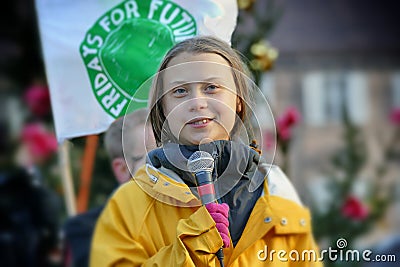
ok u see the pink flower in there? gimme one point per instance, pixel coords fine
(285, 123)
(354, 209)
(395, 116)
(37, 98)
(40, 142)
(268, 140)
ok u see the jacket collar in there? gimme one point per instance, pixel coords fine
(231, 159)
(165, 186)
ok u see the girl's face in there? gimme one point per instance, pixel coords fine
(200, 100)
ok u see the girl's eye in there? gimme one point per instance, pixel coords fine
(179, 92)
(211, 88)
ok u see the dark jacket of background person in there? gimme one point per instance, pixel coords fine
(29, 220)
(79, 230)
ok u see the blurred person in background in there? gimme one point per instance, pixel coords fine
(29, 210)
(126, 141)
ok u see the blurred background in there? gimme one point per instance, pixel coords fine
(331, 73)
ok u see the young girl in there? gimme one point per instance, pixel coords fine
(200, 101)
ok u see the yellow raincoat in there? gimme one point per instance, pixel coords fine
(154, 220)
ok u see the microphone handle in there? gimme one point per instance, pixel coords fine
(206, 190)
(205, 187)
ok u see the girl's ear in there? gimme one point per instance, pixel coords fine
(238, 105)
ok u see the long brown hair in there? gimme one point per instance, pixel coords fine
(198, 45)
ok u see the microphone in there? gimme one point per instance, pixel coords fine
(201, 164)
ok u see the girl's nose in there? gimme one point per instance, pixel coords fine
(198, 101)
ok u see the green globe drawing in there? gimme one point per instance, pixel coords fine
(132, 53)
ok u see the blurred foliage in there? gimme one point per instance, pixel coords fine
(256, 21)
(347, 215)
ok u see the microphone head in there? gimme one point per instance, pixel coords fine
(200, 161)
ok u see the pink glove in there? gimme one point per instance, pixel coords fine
(219, 212)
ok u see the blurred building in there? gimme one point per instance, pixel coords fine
(334, 54)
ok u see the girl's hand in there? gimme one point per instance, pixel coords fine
(219, 212)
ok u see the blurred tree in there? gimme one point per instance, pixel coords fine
(256, 21)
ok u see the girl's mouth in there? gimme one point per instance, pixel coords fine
(200, 122)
